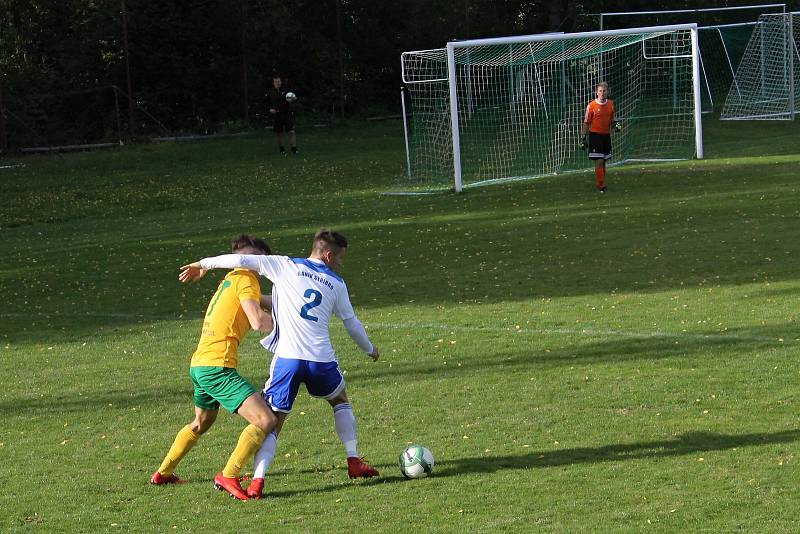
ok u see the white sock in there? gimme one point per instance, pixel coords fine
(264, 455)
(346, 427)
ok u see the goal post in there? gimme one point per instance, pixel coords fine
(511, 107)
(427, 139)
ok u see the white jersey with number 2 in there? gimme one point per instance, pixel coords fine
(305, 294)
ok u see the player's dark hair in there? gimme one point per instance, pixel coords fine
(328, 240)
(244, 240)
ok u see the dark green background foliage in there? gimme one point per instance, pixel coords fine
(205, 66)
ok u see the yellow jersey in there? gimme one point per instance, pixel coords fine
(225, 323)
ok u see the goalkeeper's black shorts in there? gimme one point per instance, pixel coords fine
(599, 146)
(283, 122)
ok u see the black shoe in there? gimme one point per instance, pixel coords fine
(282, 151)
(294, 150)
(602, 189)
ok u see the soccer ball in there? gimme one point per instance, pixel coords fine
(291, 97)
(416, 462)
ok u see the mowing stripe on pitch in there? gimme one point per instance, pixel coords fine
(583, 332)
(589, 332)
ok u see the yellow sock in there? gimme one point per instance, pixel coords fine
(249, 442)
(183, 443)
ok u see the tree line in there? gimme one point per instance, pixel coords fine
(89, 70)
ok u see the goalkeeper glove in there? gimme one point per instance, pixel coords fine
(583, 144)
(617, 126)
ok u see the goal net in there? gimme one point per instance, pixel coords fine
(723, 34)
(511, 108)
(767, 84)
(721, 50)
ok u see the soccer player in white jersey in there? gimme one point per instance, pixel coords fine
(305, 293)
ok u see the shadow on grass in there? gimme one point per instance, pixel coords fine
(111, 400)
(689, 443)
(610, 348)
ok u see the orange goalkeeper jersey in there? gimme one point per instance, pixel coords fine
(599, 116)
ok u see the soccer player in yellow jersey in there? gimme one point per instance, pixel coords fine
(598, 121)
(233, 309)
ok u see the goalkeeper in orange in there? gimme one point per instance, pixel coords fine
(597, 122)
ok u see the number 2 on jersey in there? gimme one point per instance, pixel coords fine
(316, 300)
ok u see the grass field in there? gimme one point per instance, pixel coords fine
(575, 361)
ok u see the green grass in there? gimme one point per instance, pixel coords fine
(575, 361)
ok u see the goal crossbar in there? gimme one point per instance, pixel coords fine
(566, 36)
(679, 11)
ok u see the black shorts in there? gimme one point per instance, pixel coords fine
(599, 146)
(283, 122)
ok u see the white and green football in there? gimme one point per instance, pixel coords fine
(416, 462)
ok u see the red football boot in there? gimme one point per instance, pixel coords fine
(158, 479)
(231, 485)
(256, 488)
(358, 468)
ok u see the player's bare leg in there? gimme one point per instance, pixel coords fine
(279, 143)
(262, 422)
(187, 437)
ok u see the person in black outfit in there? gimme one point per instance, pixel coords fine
(282, 112)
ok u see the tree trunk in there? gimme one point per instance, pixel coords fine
(556, 15)
(131, 119)
(341, 55)
(245, 89)
(3, 138)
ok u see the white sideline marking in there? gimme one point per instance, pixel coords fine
(582, 332)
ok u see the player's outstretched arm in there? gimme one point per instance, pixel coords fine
(254, 262)
(191, 272)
